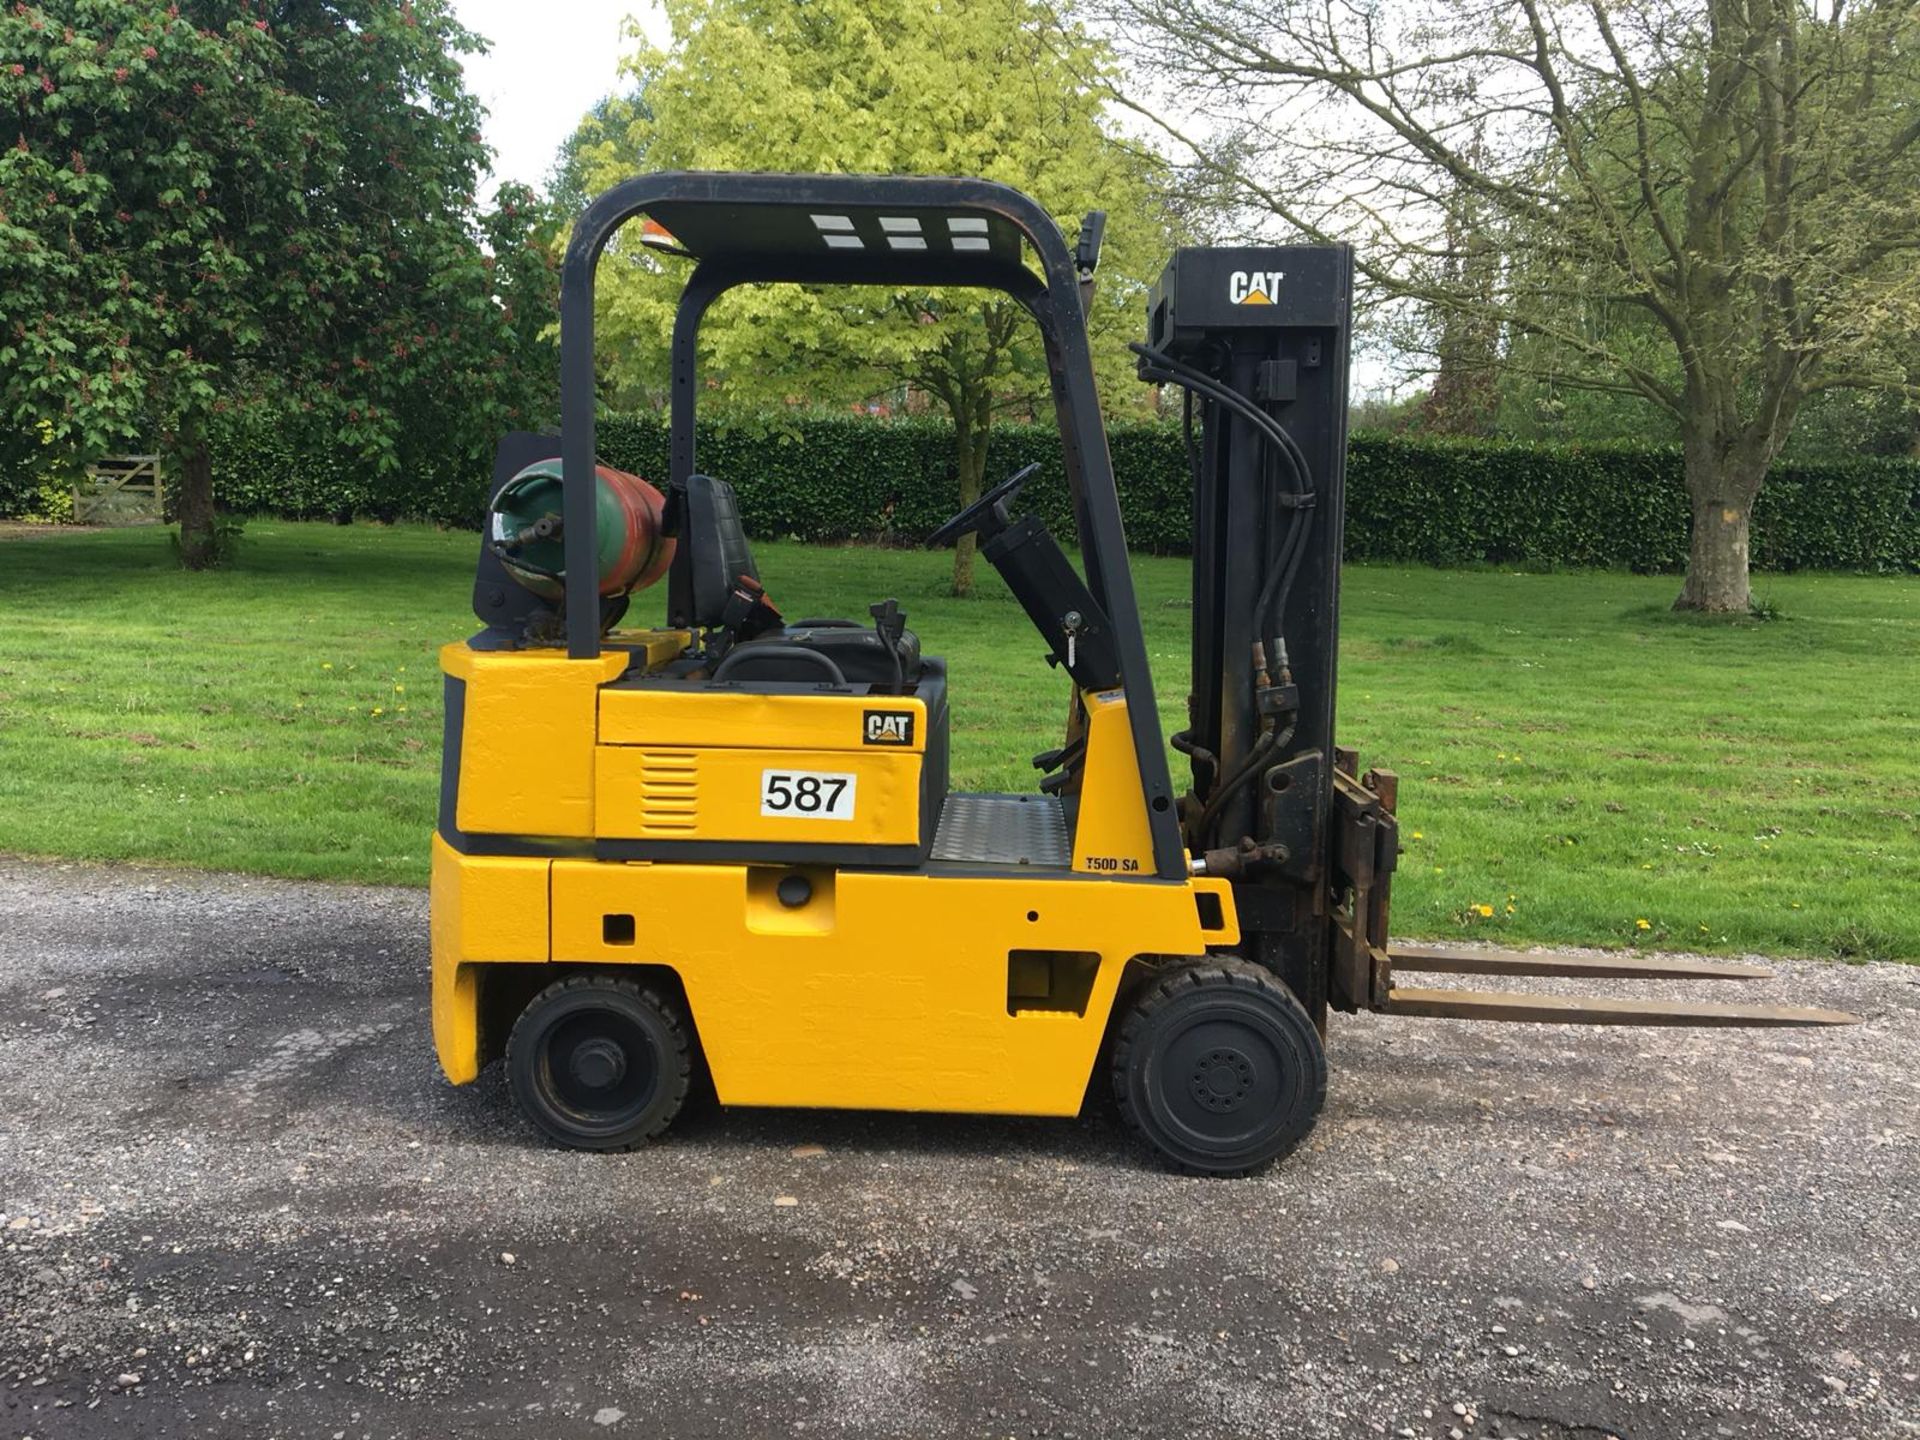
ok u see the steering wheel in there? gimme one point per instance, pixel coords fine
(977, 514)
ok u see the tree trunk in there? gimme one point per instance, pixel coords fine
(1717, 558)
(199, 549)
(970, 461)
(1722, 482)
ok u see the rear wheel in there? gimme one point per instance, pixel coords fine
(1218, 1069)
(600, 1063)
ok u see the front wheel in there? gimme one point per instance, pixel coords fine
(599, 1063)
(1218, 1069)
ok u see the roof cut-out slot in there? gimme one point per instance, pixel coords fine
(971, 242)
(832, 222)
(900, 224)
(967, 224)
(907, 242)
(843, 242)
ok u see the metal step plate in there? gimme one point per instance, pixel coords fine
(1003, 830)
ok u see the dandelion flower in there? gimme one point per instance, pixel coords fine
(1485, 912)
(1643, 924)
(377, 710)
(1418, 835)
(326, 664)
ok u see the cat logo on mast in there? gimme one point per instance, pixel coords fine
(1255, 287)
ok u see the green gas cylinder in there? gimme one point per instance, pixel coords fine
(527, 529)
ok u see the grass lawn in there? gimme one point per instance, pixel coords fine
(1572, 755)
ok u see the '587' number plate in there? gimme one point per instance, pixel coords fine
(807, 794)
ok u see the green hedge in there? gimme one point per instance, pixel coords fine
(262, 469)
(1453, 502)
(1437, 502)
(837, 478)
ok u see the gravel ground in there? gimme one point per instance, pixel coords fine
(239, 1201)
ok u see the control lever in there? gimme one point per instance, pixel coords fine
(1061, 765)
(890, 624)
(1066, 756)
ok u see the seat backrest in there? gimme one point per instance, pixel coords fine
(712, 553)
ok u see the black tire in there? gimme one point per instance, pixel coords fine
(600, 1063)
(1218, 1069)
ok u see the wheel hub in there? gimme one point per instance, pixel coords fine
(1222, 1079)
(598, 1063)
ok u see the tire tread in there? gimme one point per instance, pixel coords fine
(651, 997)
(1161, 992)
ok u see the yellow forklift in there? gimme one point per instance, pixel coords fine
(722, 849)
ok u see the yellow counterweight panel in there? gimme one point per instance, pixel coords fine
(526, 748)
(648, 792)
(686, 719)
(481, 908)
(886, 990)
(1111, 836)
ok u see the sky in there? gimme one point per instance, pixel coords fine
(550, 61)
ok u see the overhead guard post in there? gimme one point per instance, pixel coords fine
(1054, 302)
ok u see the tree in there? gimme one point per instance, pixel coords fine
(1464, 397)
(996, 88)
(570, 181)
(221, 203)
(1739, 173)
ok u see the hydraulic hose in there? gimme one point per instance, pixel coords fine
(1191, 378)
(1184, 742)
(1263, 750)
(1271, 602)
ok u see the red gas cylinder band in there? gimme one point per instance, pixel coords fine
(644, 558)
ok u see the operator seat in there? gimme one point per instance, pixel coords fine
(712, 554)
(712, 560)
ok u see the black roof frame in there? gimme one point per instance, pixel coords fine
(1052, 298)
